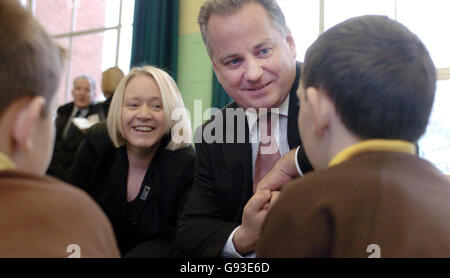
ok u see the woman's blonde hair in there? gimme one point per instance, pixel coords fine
(178, 125)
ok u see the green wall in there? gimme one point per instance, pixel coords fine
(194, 66)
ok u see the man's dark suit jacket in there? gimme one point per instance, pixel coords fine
(395, 200)
(223, 185)
(66, 148)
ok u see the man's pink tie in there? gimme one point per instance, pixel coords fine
(268, 152)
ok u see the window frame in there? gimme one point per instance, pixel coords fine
(443, 73)
(30, 5)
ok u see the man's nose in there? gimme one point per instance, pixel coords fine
(253, 71)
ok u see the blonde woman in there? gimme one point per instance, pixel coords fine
(139, 164)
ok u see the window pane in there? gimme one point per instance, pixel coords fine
(55, 16)
(64, 83)
(127, 12)
(92, 53)
(87, 59)
(302, 17)
(109, 49)
(126, 41)
(126, 35)
(97, 14)
(430, 21)
(435, 144)
(338, 11)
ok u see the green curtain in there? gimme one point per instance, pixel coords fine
(220, 98)
(155, 34)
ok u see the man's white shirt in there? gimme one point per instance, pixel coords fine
(279, 130)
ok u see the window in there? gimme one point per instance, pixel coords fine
(303, 18)
(96, 34)
(427, 19)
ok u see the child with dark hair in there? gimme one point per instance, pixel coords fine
(366, 93)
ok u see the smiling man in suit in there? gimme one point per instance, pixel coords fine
(253, 55)
(68, 135)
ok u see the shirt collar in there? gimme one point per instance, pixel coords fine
(6, 163)
(83, 111)
(252, 114)
(374, 145)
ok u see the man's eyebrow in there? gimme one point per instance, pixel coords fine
(259, 45)
(235, 55)
(227, 57)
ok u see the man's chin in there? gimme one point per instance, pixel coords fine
(263, 103)
(81, 105)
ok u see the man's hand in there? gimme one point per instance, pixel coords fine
(275, 194)
(257, 208)
(283, 171)
(253, 218)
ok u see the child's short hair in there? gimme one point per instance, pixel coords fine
(30, 62)
(379, 75)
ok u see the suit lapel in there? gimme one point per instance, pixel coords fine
(238, 158)
(292, 133)
(116, 195)
(63, 116)
(294, 139)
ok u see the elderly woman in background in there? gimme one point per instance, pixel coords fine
(139, 164)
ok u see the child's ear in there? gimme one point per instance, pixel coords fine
(26, 118)
(322, 108)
